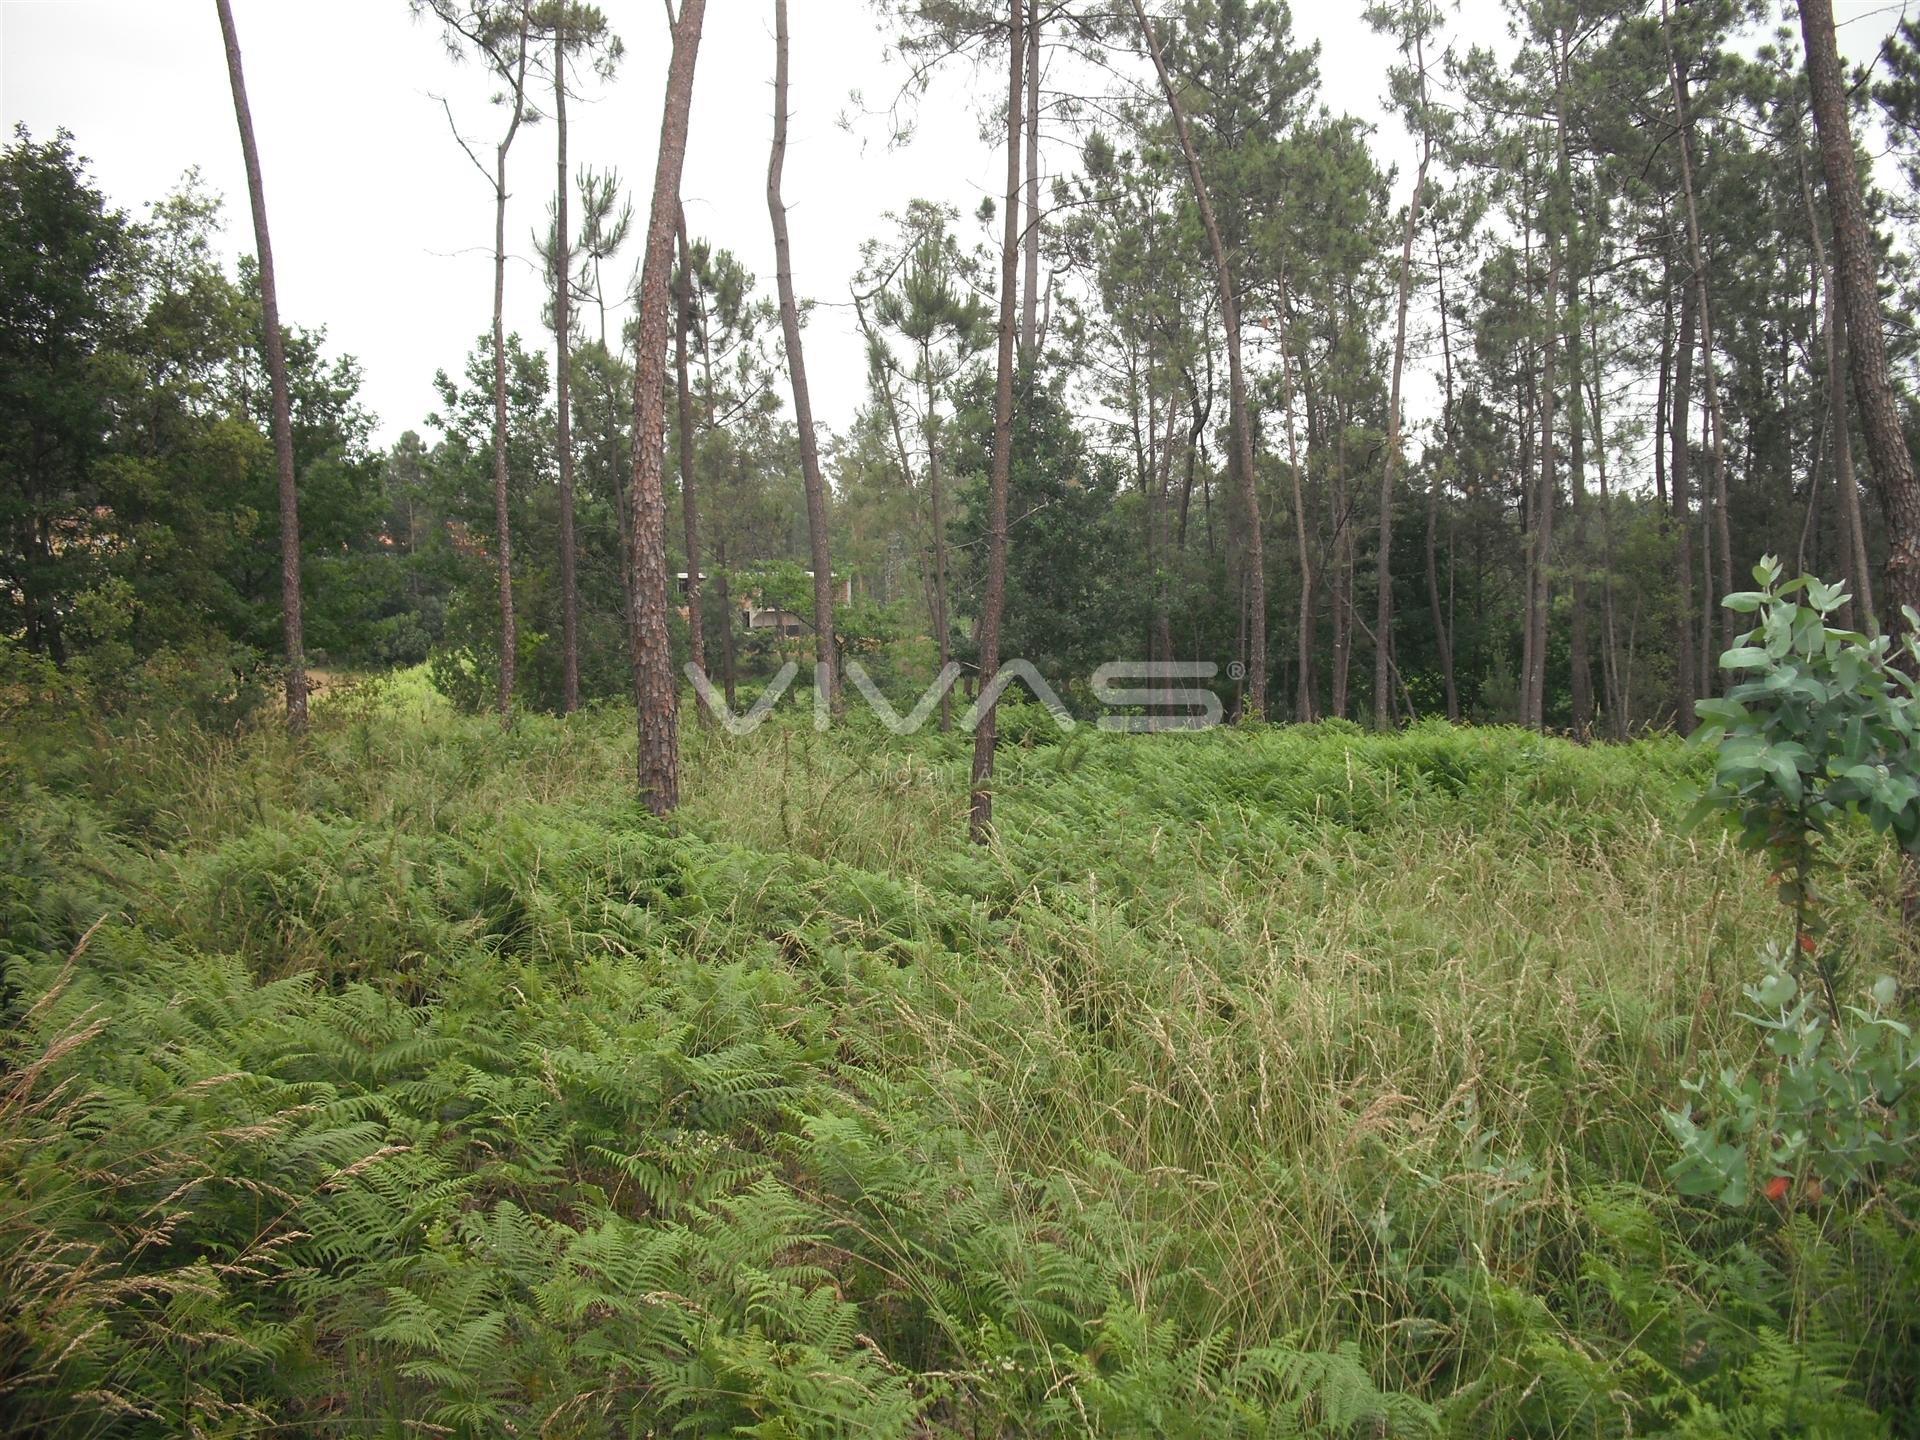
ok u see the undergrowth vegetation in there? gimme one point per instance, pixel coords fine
(1258, 1083)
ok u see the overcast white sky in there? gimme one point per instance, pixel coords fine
(382, 229)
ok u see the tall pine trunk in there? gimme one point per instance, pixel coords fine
(1442, 629)
(274, 343)
(502, 523)
(683, 417)
(1709, 371)
(1853, 536)
(1892, 462)
(1304, 705)
(827, 659)
(1838, 364)
(1613, 683)
(1547, 498)
(654, 684)
(1580, 658)
(1685, 681)
(1030, 247)
(980, 800)
(563, 333)
(936, 483)
(1255, 577)
(1390, 470)
(1340, 589)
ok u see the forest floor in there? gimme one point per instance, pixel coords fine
(1293, 1081)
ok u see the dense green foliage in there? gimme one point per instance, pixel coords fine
(1283, 1082)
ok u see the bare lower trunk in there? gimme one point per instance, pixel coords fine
(1303, 703)
(1442, 630)
(1580, 659)
(1536, 687)
(1855, 528)
(1612, 681)
(657, 690)
(1703, 685)
(722, 592)
(1255, 708)
(826, 656)
(1709, 372)
(1529, 505)
(502, 526)
(1390, 472)
(275, 346)
(1677, 473)
(562, 329)
(1340, 590)
(1854, 265)
(980, 806)
(1030, 290)
(689, 508)
(1155, 472)
(936, 485)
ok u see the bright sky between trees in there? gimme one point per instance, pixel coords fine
(383, 230)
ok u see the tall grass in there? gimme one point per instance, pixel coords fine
(1285, 1082)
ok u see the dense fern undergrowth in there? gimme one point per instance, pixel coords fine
(1284, 1082)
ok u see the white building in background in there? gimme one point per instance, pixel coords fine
(756, 616)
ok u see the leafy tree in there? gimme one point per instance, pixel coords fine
(66, 308)
(1071, 589)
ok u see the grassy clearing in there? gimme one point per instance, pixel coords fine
(1292, 1082)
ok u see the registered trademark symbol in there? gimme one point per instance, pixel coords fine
(1236, 671)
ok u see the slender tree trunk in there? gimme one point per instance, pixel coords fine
(936, 484)
(1390, 470)
(1340, 589)
(1030, 291)
(826, 656)
(654, 680)
(1839, 423)
(1442, 630)
(1855, 272)
(1529, 510)
(1686, 681)
(1704, 686)
(1145, 439)
(563, 333)
(1303, 705)
(275, 345)
(1236, 384)
(980, 808)
(502, 524)
(1664, 388)
(1838, 363)
(1549, 485)
(1611, 679)
(611, 440)
(683, 416)
(1201, 413)
(1580, 657)
(1709, 372)
(722, 592)
(1162, 492)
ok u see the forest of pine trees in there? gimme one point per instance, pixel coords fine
(482, 953)
(1485, 441)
